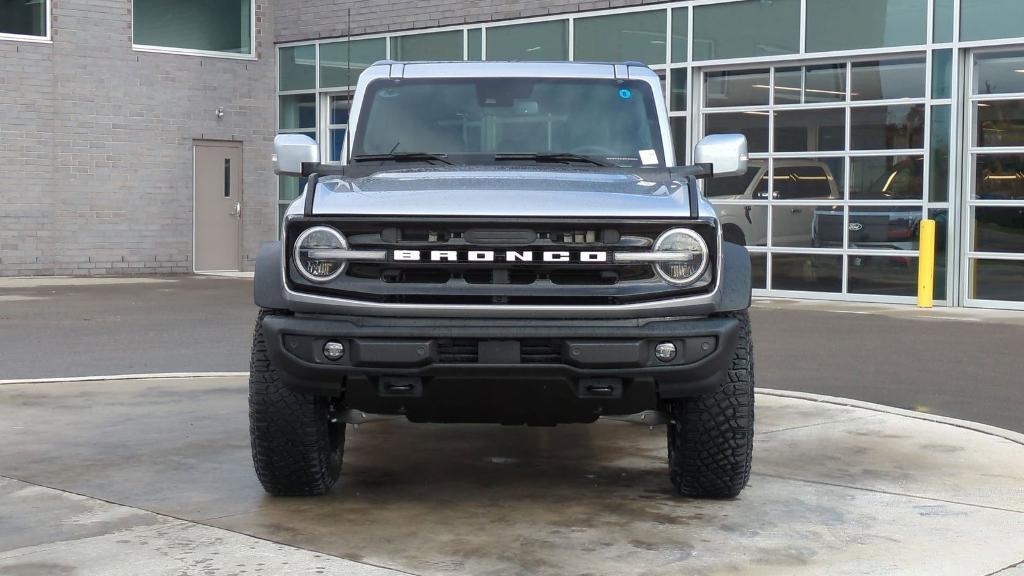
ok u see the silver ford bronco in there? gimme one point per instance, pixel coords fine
(508, 243)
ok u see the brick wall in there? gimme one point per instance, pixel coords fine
(306, 19)
(96, 145)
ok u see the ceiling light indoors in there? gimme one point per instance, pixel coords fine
(811, 90)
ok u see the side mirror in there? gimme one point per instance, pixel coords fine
(291, 150)
(727, 154)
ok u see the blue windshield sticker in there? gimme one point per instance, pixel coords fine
(625, 93)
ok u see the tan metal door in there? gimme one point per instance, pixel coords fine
(218, 205)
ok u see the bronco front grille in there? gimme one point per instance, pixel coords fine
(498, 282)
(531, 351)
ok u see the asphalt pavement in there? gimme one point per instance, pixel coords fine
(957, 363)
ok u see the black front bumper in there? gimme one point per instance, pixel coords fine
(501, 370)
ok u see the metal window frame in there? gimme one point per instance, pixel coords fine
(327, 126)
(971, 151)
(847, 154)
(251, 55)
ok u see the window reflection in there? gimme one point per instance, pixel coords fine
(29, 18)
(753, 125)
(296, 67)
(895, 127)
(430, 46)
(887, 178)
(678, 124)
(535, 41)
(744, 223)
(810, 84)
(337, 141)
(853, 24)
(884, 227)
(297, 111)
(807, 226)
(942, 73)
(746, 28)
(341, 63)
(999, 229)
(636, 36)
(474, 45)
(999, 73)
(807, 272)
(990, 19)
(289, 187)
(339, 109)
(888, 79)
(939, 154)
(810, 130)
(998, 280)
(789, 84)
(826, 83)
(1001, 123)
(808, 179)
(882, 275)
(223, 26)
(742, 186)
(680, 31)
(677, 100)
(737, 88)
(759, 270)
(941, 218)
(1000, 177)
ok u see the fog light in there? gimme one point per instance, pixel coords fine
(334, 350)
(666, 351)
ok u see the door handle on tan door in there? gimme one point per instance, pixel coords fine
(237, 210)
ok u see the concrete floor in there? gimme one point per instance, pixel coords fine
(836, 490)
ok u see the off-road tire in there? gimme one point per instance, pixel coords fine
(711, 437)
(296, 448)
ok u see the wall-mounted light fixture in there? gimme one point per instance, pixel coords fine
(220, 112)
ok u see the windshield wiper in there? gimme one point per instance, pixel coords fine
(554, 157)
(403, 157)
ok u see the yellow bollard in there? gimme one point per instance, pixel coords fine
(926, 265)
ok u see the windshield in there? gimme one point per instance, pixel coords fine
(477, 120)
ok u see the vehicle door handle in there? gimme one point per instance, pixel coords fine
(795, 210)
(237, 210)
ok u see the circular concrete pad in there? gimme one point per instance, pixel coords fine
(836, 489)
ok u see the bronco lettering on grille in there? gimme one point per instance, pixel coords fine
(509, 256)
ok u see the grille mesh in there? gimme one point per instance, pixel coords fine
(466, 351)
(576, 282)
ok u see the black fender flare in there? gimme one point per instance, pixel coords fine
(268, 282)
(736, 279)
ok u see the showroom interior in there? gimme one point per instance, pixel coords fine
(862, 117)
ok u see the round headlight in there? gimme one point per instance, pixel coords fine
(316, 239)
(693, 256)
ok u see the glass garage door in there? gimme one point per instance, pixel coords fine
(838, 179)
(993, 270)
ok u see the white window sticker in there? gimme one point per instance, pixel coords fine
(648, 157)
